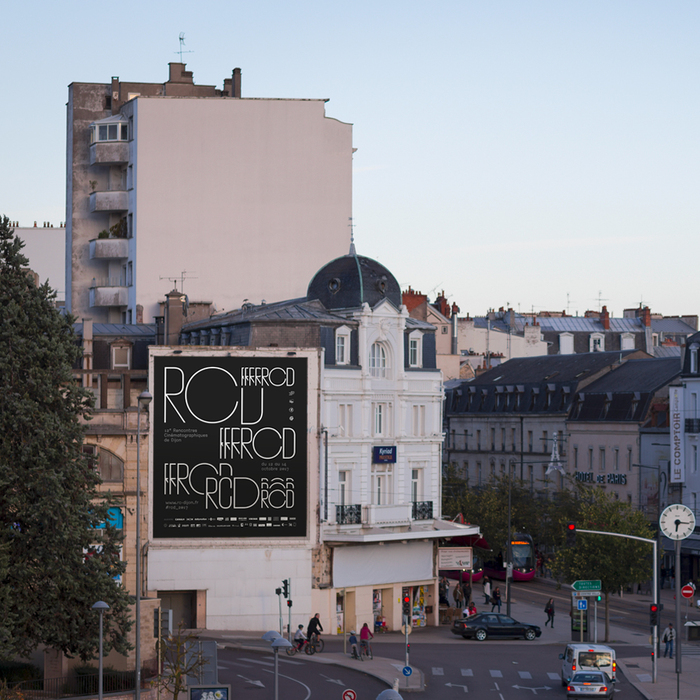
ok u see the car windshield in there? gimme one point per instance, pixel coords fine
(594, 659)
(588, 678)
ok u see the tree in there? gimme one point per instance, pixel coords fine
(181, 657)
(58, 553)
(615, 561)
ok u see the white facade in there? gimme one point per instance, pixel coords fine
(228, 199)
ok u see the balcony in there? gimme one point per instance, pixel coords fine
(422, 510)
(692, 425)
(109, 293)
(348, 515)
(112, 201)
(109, 249)
(109, 153)
(387, 515)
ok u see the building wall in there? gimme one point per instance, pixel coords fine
(481, 340)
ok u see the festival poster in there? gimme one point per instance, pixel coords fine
(229, 446)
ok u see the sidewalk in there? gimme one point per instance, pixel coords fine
(636, 670)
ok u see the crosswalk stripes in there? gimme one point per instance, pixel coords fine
(525, 675)
(467, 672)
(496, 674)
(554, 676)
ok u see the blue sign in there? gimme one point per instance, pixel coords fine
(407, 671)
(386, 455)
(582, 604)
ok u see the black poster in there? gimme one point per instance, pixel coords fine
(229, 447)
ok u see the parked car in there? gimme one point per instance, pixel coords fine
(494, 625)
(586, 684)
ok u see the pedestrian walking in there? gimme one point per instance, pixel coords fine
(487, 590)
(549, 609)
(496, 599)
(668, 637)
(467, 591)
(444, 590)
(459, 599)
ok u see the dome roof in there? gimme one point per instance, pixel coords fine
(352, 280)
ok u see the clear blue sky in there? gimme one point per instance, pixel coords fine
(509, 151)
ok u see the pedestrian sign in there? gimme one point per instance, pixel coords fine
(582, 604)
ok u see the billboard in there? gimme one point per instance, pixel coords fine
(229, 446)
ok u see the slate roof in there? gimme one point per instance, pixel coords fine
(667, 351)
(637, 375)
(142, 330)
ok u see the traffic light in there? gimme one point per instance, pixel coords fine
(571, 534)
(406, 604)
(285, 588)
(289, 603)
(653, 614)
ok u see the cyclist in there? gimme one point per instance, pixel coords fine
(314, 627)
(353, 645)
(300, 637)
(365, 636)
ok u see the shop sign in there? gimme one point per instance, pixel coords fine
(454, 558)
(229, 446)
(675, 399)
(591, 478)
(386, 455)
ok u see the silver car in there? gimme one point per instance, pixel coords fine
(585, 684)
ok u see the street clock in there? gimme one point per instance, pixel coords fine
(677, 521)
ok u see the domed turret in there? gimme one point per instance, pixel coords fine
(352, 280)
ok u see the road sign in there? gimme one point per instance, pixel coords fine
(687, 591)
(582, 604)
(349, 695)
(586, 585)
(586, 594)
(407, 671)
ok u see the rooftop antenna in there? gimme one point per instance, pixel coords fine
(600, 299)
(182, 43)
(183, 276)
(352, 236)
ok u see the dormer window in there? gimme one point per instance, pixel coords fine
(110, 129)
(596, 342)
(415, 354)
(377, 360)
(694, 358)
(342, 346)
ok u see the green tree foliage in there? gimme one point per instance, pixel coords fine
(55, 559)
(615, 561)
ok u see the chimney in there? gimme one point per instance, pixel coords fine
(646, 316)
(236, 83)
(174, 317)
(605, 318)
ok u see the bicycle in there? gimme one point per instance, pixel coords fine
(306, 646)
(317, 643)
(365, 649)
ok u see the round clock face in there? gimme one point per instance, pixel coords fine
(677, 522)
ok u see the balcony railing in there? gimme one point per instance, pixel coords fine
(422, 510)
(113, 389)
(348, 515)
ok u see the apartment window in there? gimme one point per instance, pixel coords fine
(530, 445)
(478, 473)
(566, 343)
(340, 350)
(590, 459)
(345, 416)
(545, 441)
(115, 131)
(627, 341)
(616, 459)
(343, 491)
(629, 459)
(419, 423)
(416, 490)
(575, 457)
(382, 477)
(380, 417)
(121, 357)
(601, 460)
(493, 439)
(466, 440)
(377, 360)
(596, 342)
(466, 471)
(478, 440)
(130, 273)
(108, 465)
(512, 439)
(503, 439)
(694, 358)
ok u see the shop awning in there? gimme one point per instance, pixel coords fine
(438, 529)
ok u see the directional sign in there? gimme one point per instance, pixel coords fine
(586, 585)
(687, 591)
(582, 604)
(349, 695)
(587, 594)
(407, 671)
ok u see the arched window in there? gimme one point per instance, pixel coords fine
(109, 466)
(377, 360)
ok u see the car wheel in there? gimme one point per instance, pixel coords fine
(480, 635)
(530, 635)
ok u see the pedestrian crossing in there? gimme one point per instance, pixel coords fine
(549, 676)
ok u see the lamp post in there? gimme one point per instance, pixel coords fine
(509, 548)
(100, 606)
(143, 400)
(278, 642)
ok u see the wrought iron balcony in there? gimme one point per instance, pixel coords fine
(422, 510)
(348, 515)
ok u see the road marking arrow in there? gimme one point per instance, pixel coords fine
(534, 690)
(454, 685)
(248, 680)
(333, 680)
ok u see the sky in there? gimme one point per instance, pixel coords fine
(541, 155)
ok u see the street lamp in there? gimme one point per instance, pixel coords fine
(278, 642)
(144, 399)
(100, 606)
